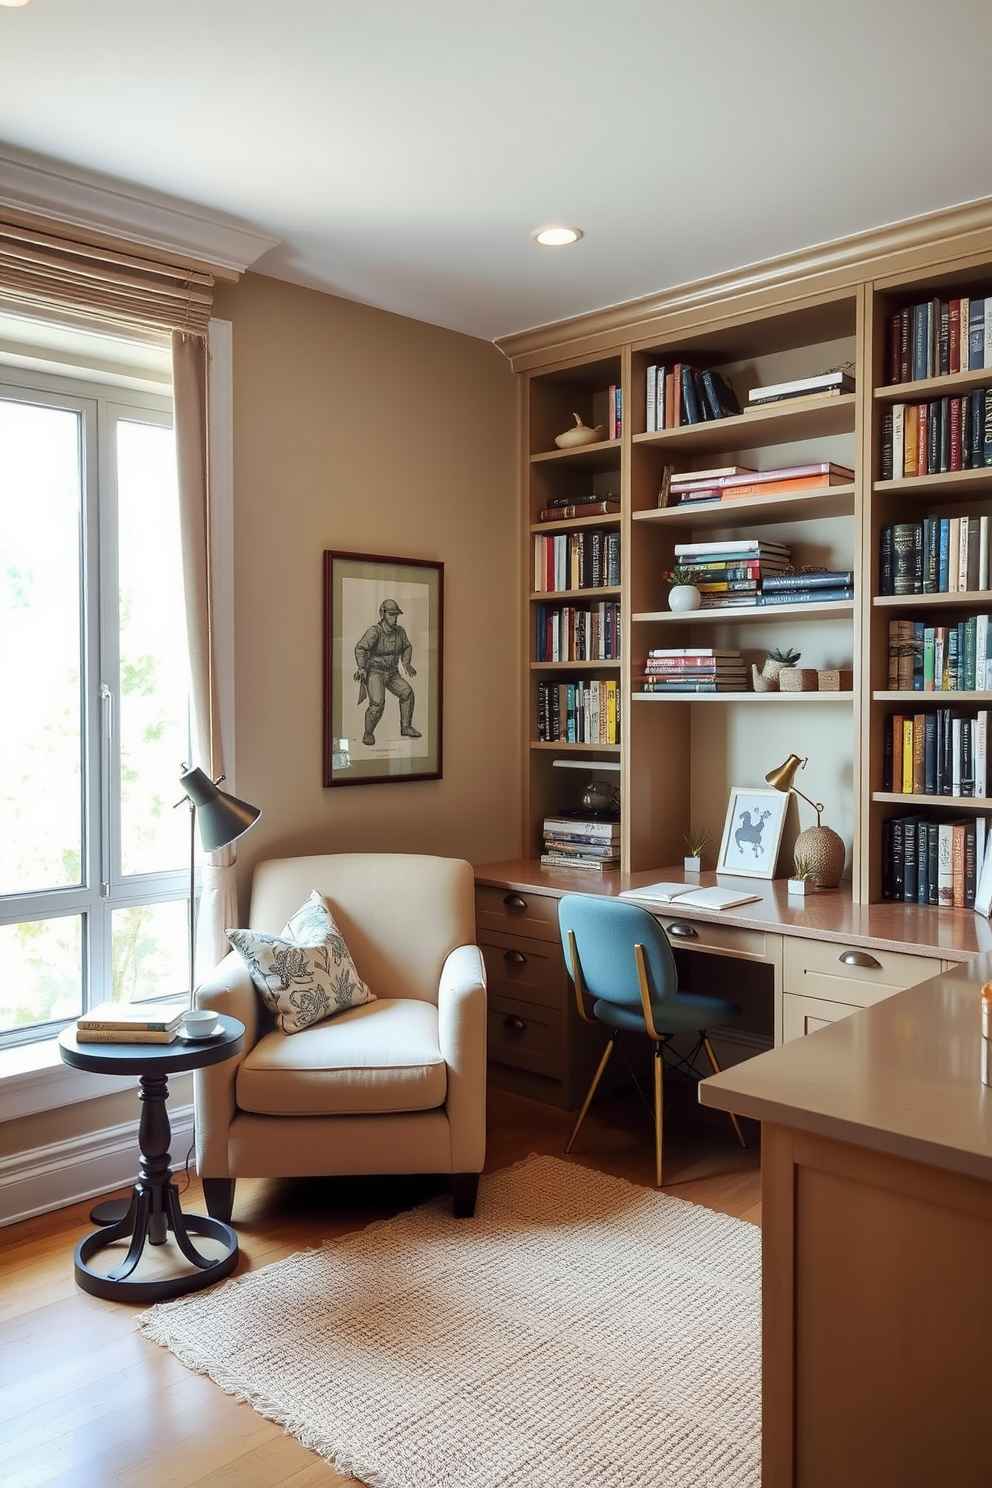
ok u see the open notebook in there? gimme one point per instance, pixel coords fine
(681, 893)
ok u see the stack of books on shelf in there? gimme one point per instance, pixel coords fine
(587, 559)
(940, 555)
(938, 338)
(940, 658)
(928, 862)
(581, 839)
(941, 435)
(576, 633)
(731, 482)
(680, 394)
(942, 752)
(130, 1023)
(584, 712)
(567, 508)
(693, 669)
(803, 391)
(729, 572)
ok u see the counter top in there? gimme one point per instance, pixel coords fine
(902, 1077)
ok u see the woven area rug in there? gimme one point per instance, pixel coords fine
(579, 1332)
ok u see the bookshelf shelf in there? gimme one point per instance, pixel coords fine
(602, 456)
(600, 592)
(951, 483)
(561, 748)
(823, 501)
(767, 698)
(933, 699)
(731, 616)
(955, 803)
(960, 599)
(572, 666)
(773, 424)
(569, 524)
(934, 387)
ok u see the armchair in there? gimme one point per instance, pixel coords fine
(395, 1086)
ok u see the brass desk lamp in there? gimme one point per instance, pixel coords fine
(821, 847)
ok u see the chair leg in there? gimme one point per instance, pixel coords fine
(591, 1092)
(659, 1109)
(716, 1070)
(219, 1196)
(464, 1188)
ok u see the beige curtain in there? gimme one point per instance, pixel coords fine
(218, 899)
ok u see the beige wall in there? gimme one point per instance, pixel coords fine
(363, 431)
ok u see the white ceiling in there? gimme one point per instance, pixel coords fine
(404, 151)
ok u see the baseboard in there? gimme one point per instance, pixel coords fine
(62, 1173)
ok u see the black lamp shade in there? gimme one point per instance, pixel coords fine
(220, 817)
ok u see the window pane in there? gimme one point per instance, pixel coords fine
(154, 688)
(42, 971)
(151, 951)
(40, 658)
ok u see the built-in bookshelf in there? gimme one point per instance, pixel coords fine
(840, 318)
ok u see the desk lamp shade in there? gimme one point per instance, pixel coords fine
(819, 847)
(222, 819)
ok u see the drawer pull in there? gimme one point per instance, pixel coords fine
(514, 901)
(516, 1025)
(517, 957)
(683, 930)
(859, 958)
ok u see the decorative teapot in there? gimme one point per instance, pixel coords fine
(600, 796)
(581, 434)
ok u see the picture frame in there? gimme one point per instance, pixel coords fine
(752, 832)
(383, 669)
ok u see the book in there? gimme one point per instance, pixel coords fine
(154, 1017)
(563, 860)
(828, 579)
(838, 379)
(792, 399)
(706, 477)
(704, 898)
(126, 1035)
(843, 474)
(580, 509)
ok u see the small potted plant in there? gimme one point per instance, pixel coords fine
(695, 840)
(767, 679)
(801, 880)
(682, 594)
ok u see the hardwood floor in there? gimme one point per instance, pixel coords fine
(88, 1402)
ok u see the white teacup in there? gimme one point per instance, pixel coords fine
(200, 1022)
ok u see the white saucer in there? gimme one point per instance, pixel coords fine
(200, 1038)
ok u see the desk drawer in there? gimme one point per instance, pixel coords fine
(816, 968)
(725, 940)
(515, 913)
(526, 1036)
(525, 970)
(802, 1015)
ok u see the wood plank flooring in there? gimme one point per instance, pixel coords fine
(87, 1402)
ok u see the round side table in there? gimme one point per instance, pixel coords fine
(154, 1209)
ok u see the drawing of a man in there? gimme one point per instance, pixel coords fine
(379, 654)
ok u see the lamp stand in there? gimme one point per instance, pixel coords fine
(192, 901)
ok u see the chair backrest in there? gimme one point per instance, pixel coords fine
(400, 913)
(606, 932)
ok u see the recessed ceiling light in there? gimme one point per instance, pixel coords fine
(557, 237)
(13, 3)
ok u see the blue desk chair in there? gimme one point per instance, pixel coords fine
(619, 956)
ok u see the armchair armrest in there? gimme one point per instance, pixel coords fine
(461, 1017)
(229, 990)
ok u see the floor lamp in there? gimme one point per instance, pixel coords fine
(222, 820)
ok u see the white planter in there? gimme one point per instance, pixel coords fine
(692, 865)
(798, 887)
(684, 597)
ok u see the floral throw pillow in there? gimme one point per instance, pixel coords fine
(304, 974)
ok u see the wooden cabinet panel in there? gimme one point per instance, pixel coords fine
(506, 910)
(527, 1036)
(726, 940)
(802, 1015)
(527, 970)
(833, 972)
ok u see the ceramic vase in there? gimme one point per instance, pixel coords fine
(683, 597)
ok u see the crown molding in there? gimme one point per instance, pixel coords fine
(38, 187)
(944, 235)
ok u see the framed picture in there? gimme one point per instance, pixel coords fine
(752, 832)
(383, 631)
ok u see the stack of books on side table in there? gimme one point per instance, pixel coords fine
(130, 1023)
(581, 839)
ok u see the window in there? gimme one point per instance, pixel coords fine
(93, 673)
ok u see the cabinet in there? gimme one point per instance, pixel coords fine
(679, 756)
(823, 981)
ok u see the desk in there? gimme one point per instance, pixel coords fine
(154, 1209)
(827, 958)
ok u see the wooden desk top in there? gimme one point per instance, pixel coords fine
(828, 914)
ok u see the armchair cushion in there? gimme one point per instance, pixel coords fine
(305, 974)
(373, 1060)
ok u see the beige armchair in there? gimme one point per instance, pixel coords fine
(395, 1086)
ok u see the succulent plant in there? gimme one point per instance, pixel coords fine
(695, 840)
(802, 867)
(788, 657)
(675, 576)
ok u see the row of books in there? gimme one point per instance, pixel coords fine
(942, 752)
(938, 338)
(938, 555)
(700, 670)
(681, 394)
(929, 862)
(731, 482)
(932, 438)
(581, 840)
(804, 390)
(567, 508)
(130, 1023)
(587, 559)
(578, 633)
(940, 658)
(583, 712)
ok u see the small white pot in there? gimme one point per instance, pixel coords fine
(684, 597)
(797, 887)
(692, 865)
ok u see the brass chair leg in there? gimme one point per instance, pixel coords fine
(716, 1070)
(591, 1092)
(659, 1092)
